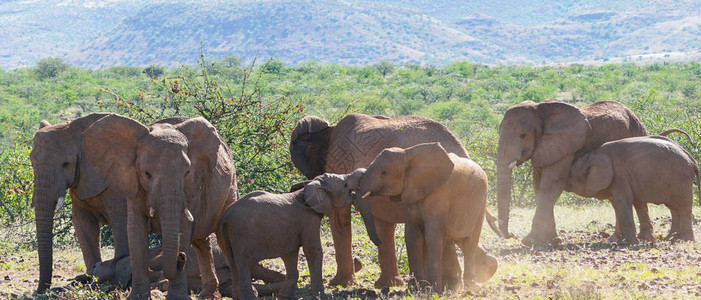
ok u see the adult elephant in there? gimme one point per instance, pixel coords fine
(180, 177)
(551, 134)
(59, 163)
(318, 147)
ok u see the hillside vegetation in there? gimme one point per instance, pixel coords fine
(255, 106)
(96, 34)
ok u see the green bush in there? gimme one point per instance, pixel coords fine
(255, 124)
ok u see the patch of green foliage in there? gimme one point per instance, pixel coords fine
(255, 106)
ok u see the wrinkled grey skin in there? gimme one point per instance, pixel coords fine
(635, 171)
(263, 225)
(445, 198)
(551, 134)
(59, 163)
(177, 179)
(316, 147)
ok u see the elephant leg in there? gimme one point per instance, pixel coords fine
(552, 181)
(138, 254)
(686, 218)
(242, 274)
(623, 206)
(87, 229)
(267, 275)
(413, 234)
(386, 256)
(340, 223)
(537, 174)
(314, 254)
(117, 212)
(435, 240)
(451, 267)
(646, 231)
(674, 228)
(469, 249)
(205, 260)
(290, 260)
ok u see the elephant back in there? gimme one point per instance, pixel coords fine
(610, 121)
(357, 139)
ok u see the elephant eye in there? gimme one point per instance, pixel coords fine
(148, 175)
(65, 164)
(523, 135)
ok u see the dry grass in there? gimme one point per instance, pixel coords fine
(585, 266)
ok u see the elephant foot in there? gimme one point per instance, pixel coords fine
(343, 280)
(389, 281)
(647, 236)
(139, 295)
(472, 286)
(486, 268)
(210, 295)
(176, 296)
(628, 241)
(533, 241)
(676, 236)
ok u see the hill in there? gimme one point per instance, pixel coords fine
(329, 31)
(130, 32)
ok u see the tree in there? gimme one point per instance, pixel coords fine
(154, 71)
(50, 67)
(384, 67)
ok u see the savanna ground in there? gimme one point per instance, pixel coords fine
(584, 266)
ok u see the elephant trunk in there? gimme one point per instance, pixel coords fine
(170, 219)
(363, 206)
(44, 200)
(504, 193)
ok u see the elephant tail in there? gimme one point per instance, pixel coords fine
(698, 181)
(667, 132)
(492, 221)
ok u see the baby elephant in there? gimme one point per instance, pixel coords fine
(636, 171)
(263, 225)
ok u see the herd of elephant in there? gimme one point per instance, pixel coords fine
(177, 177)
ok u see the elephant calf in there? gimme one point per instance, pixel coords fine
(636, 171)
(263, 225)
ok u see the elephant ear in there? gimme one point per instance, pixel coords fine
(317, 196)
(599, 173)
(90, 182)
(309, 143)
(428, 167)
(564, 132)
(110, 146)
(203, 144)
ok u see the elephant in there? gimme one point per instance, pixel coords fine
(178, 179)
(551, 134)
(634, 171)
(264, 225)
(59, 163)
(317, 147)
(118, 272)
(445, 197)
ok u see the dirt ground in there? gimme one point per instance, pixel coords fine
(584, 266)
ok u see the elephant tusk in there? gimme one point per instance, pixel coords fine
(366, 195)
(513, 164)
(151, 212)
(189, 215)
(59, 204)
